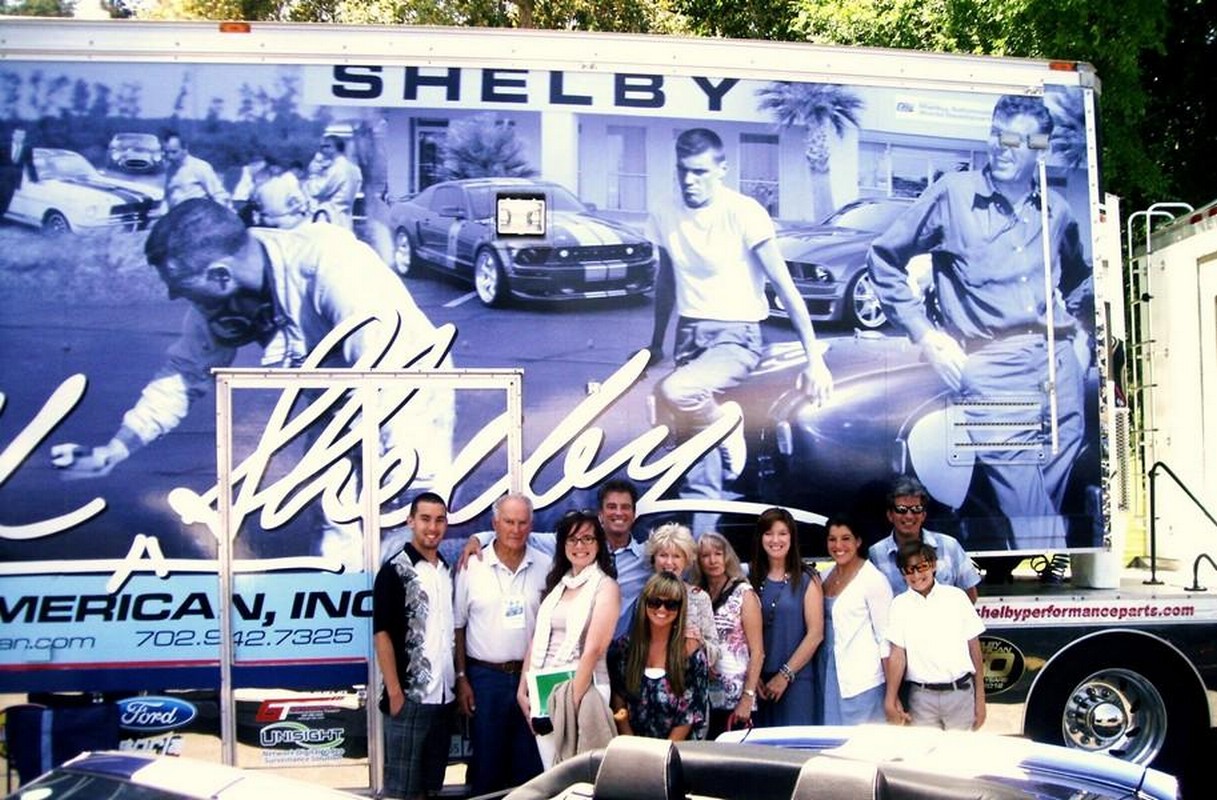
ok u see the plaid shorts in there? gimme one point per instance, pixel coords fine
(416, 750)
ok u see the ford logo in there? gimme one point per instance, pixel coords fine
(151, 714)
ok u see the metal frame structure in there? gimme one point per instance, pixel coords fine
(365, 383)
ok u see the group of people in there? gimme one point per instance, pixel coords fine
(552, 643)
(276, 193)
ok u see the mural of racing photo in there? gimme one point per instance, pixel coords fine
(736, 293)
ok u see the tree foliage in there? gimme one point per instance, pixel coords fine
(1151, 55)
(1114, 37)
(38, 8)
(483, 146)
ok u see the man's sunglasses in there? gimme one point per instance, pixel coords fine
(655, 603)
(917, 509)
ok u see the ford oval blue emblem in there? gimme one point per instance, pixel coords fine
(152, 714)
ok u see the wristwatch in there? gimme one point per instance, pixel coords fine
(750, 693)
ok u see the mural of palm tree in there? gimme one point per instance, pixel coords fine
(817, 108)
(483, 146)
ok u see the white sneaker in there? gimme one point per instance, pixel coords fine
(734, 452)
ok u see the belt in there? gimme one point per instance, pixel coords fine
(959, 683)
(510, 667)
(974, 342)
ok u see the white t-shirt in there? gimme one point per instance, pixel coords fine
(718, 276)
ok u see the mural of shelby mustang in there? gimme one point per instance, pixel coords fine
(284, 290)
(984, 232)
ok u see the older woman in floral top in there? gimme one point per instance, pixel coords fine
(737, 617)
(659, 688)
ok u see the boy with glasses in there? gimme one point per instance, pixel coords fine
(906, 507)
(934, 633)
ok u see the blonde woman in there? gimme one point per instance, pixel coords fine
(671, 549)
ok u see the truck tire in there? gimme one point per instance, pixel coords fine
(1128, 695)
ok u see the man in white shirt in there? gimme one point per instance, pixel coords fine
(413, 630)
(286, 291)
(188, 177)
(334, 182)
(934, 634)
(717, 250)
(495, 611)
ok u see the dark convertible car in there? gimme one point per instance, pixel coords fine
(828, 262)
(451, 227)
(890, 414)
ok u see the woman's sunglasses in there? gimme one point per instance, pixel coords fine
(655, 603)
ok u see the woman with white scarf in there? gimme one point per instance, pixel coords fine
(576, 619)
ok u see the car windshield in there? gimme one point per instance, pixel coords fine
(64, 165)
(560, 199)
(865, 216)
(134, 140)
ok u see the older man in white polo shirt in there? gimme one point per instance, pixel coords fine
(495, 610)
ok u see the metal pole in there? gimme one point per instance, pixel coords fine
(1153, 529)
(228, 716)
(1049, 301)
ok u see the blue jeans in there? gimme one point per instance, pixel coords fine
(711, 357)
(416, 750)
(504, 748)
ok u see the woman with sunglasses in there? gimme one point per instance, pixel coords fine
(575, 621)
(856, 603)
(792, 606)
(737, 616)
(661, 691)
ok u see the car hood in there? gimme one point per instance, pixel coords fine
(823, 245)
(573, 229)
(1046, 771)
(103, 189)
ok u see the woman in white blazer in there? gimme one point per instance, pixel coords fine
(856, 601)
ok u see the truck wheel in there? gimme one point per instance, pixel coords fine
(55, 223)
(405, 260)
(1122, 698)
(862, 307)
(489, 280)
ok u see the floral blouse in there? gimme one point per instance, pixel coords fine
(728, 676)
(655, 710)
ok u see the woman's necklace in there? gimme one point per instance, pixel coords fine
(775, 596)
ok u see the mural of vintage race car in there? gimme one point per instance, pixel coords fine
(135, 152)
(828, 262)
(889, 415)
(451, 227)
(70, 195)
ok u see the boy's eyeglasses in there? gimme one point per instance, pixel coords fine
(656, 603)
(918, 569)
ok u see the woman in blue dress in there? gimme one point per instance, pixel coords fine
(792, 608)
(856, 601)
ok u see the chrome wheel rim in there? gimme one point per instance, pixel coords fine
(1117, 712)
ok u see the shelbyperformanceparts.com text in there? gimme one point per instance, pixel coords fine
(1006, 612)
